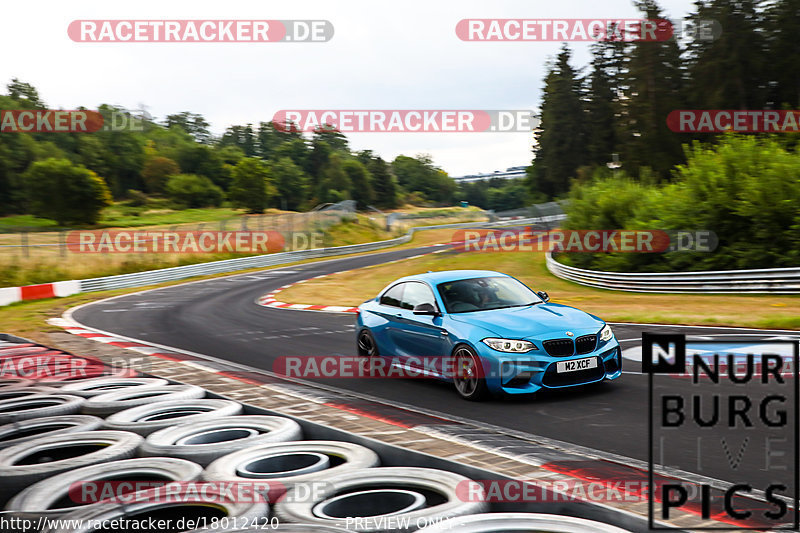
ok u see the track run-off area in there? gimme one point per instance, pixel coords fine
(220, 320)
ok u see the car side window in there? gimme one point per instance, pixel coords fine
(415, 294)
(393, 296)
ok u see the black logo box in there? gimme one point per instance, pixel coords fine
(678, 366)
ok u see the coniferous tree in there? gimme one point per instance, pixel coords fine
(560, 138)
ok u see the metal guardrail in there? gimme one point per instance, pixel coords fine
(766, 280)
(140, 279)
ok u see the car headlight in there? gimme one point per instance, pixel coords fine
(606, 334)
(509, 345)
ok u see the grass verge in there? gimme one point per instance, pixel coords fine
(759, 311)
(29, 319)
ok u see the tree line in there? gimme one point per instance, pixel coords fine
(70, 177)
(614, 110)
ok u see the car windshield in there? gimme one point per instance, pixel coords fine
(483, 294)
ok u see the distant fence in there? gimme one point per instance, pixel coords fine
(765, 280)
(24, 241)
(548, 214)
(10, 295)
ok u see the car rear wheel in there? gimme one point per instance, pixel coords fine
(366, 344)
(468, 378)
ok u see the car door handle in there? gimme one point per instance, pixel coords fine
(444, 333)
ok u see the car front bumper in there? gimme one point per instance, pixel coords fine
(533, 371)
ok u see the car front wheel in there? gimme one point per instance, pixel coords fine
(469, 380)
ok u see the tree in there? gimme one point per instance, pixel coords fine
(601, 139)
(25, 94)
(360, 182)
(291, 184)
(68, 193)
(728, 72)
(242, 137)
(335, 139)
(157, 171)
(192, 123)
(335, 183)
(204, 161)
(251, 187)
(655, 81)
(269, 138)
(560, 138)
(418, 174)
(383, 183)
(190, 191)
(783, 67)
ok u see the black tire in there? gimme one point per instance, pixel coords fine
(240, 466)
(9, 393)
(203, 442)
(26, 430)
(210, 503)
(47, 497)
(37, 406)
(433, 491)
(98, 386)
(490, 522)
(366, 345)
(468, 375)
(114, 402)
(27, 463)
(146, 419)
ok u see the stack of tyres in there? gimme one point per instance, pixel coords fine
(77, 452)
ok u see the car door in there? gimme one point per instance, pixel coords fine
(389, 309)
(419, 336)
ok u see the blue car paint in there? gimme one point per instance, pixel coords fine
(400, 334)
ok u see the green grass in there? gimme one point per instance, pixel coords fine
(759, 311)
(26, 221)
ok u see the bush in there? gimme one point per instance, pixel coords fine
(67, 193)
(745, 189)
(190, 190)
(136, 198)
(157, 171)
(251, 187)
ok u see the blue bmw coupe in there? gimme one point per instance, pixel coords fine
(486, 332)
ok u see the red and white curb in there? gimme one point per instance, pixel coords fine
(271, 299)
(10, 295)
(110, 340)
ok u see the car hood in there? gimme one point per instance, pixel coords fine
(532, 321)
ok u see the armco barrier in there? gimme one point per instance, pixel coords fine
(10, 295)
(766, 280)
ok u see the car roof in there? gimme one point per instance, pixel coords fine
(442, 276)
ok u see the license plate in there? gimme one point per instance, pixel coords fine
(576, 364)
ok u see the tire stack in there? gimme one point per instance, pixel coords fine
(139, 448)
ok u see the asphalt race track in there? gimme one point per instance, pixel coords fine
(220, 318)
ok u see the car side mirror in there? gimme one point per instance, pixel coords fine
(425, 309)
(543, 295)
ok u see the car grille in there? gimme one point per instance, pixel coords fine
(585, 344)
(559, 347)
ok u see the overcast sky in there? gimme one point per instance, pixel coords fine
(399, 55)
